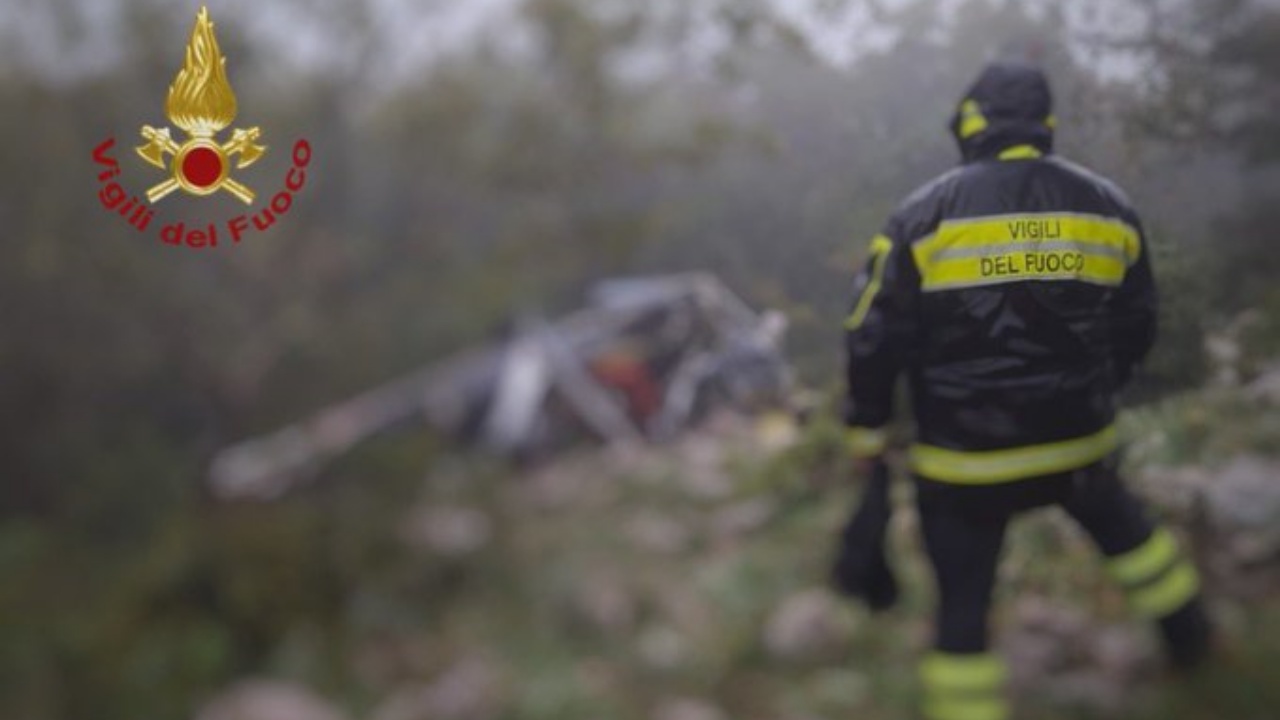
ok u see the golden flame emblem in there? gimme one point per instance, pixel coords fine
(202, 103)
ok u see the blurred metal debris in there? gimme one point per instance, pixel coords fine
(646, 359)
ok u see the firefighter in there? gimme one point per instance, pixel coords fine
(1015, 295)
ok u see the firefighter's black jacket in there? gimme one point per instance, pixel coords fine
(1015, 293)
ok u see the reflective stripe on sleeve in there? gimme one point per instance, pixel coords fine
(880, 247)
(988, 467)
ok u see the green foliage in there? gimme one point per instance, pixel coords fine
(1202, 427)
(1178, 360)
(1260, 337)
(1241, 685)
(150, 624)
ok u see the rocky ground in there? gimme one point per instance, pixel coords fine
(688, 583)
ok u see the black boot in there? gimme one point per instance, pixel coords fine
(1187, 635)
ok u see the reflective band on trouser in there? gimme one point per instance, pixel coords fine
(880, 247)
(1157, 580)
(974, 252)
(866, 442)
(963, 687)
(1146, 561)
(988, 467)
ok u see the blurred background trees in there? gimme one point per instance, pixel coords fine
(470, 168)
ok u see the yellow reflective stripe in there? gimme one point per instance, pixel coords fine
(972, 121)
(1145, 561)
(880, 247)
(960, 708)
(1020, 152)
(988, 467)
(947, 672)
(1017, 267)
(963, 687)
(1051, 122)
(1162, 597)
(866, 442)
(989, 230)
(1157, 583)
(997, 249)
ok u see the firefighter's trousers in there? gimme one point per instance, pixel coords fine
(964, 528)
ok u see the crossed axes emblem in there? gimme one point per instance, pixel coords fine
(200, 165)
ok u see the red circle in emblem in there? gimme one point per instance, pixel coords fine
(202, 167)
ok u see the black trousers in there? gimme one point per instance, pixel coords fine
(964, 528)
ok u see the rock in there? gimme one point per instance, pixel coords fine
(1266, 386)
(702, 473)
(451, 531)
(1225, 349)
(606, 604)
(741, 518)
(1046, 638)
(469, 690)
(1176, 489)
(1245, 494)
(1242, 505)
(1040, 615)
(1122, 652)
(1057, 651)
(657, 532)
(597, 677)
(662, 647)
(1086, 688)
(687, 709)
(839, 687)
(558, 485)
(268, 700)
(1234, 519)
(805, 626)
(775, 432)
(1224, 353)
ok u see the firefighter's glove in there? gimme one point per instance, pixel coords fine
(861, 569)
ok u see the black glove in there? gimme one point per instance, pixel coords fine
(861, 570)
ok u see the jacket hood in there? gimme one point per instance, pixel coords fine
(1008, 106)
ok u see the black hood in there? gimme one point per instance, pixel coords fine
(1009, 105)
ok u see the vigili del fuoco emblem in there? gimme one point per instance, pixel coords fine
(201, 103)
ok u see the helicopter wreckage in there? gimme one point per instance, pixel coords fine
(646, 359)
